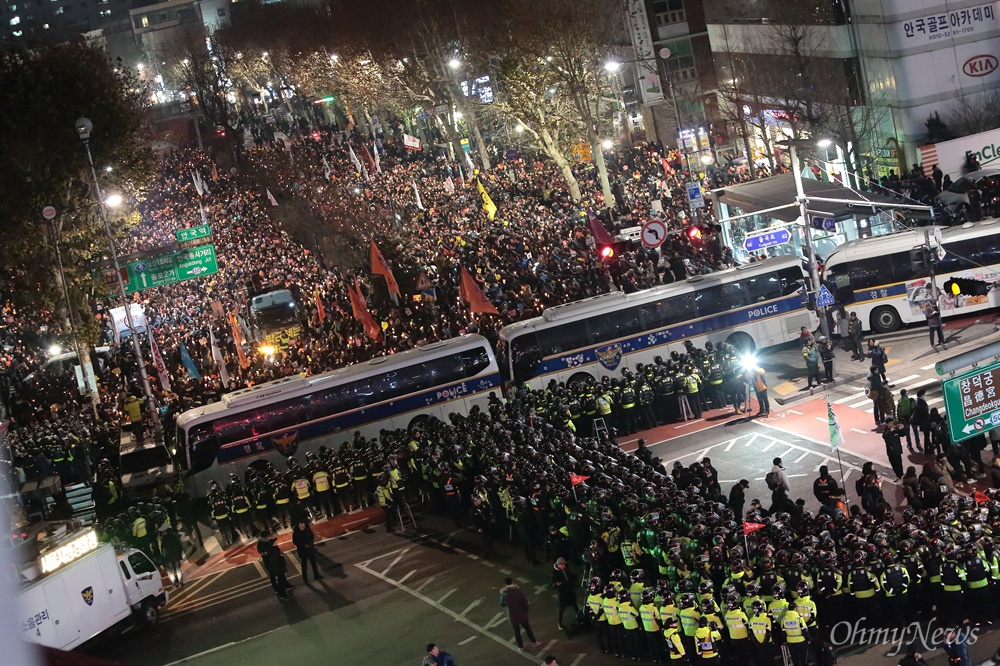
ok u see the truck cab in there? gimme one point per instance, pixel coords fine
(74, 588)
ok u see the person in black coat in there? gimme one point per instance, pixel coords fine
(565, 583)
(274, 564)
(305, 547)
(737, 498)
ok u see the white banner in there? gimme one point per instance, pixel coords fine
(945, 24)
(411, 142)
(647, 70)
(161, 367)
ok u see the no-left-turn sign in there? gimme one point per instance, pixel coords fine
(654, 232)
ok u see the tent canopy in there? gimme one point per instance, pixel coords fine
(780, 190)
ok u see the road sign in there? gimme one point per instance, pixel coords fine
(767, 239)
(653, 233)
(111, 277)
(167, 269)
(821, 223)
(824, 299)
(972, 402)
(191, 233)
(196, 262)
(465, 146)
(695, 197)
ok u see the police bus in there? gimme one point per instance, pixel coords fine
(754, 306)
(274, 320)
(887, 286)
(293, 415)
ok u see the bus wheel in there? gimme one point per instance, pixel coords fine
(580, 379)
(418, 422)
(742, 343)
(258, 466)
(885, 319)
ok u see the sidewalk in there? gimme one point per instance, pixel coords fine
(974, 333)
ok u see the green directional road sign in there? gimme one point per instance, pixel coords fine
(171, 268)
(193, 233)
(151, 272)
(196, 262)
(972, 402)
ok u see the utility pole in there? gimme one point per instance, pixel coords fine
(824, 325)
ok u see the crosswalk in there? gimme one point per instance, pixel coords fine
(858, 396)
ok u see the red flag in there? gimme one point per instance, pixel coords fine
(360, 310)
(474, 296)
(577, 479)
(379, 267)
(369, 160)
(666, 167)
(750, 528)
(238, 339)
(161, 368)
(980, 497)
(600, 234)
(320, 310)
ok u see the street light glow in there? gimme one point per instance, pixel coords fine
(612, 66)
(113, 200)
(55, 350)
(607, 144)
(454, 63)
(519, 128)
(823, 143)
(458, 115)
(108, 168)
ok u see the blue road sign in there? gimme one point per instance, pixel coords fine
(768, 239)
(824, 299)
(823, 223)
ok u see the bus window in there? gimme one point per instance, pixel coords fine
(474, 362)
(842, 292)
(204, 447)
(558, 339)
(958, 256)
(868, 273)
(763, 287)
(791, 281)
(709, 301)
(525, 354)
(616, 325)
(732, 296)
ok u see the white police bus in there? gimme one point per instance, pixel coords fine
(754, 306)
(292, 415)
(876, 278)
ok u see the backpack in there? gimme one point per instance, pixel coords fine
(771, 479)
(882, 356)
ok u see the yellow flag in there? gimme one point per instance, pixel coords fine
(488, 205)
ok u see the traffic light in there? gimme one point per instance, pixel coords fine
(920, 260)
(694, 234)
(607, 252)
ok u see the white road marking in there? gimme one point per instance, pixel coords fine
(521, 579)
(385, 572)
(794, 412)
(768, 447)
(861, 403)
(822, 418)
(437, 605)
(497, 619)
(785, 454)
(687, 423)
(933, 400)
(923, 382)
(753, 438)
(194, 657)
(407, 576)
(802, 457)
(849, 398)
(540, 588)
(471, 606)
(729, 446)
(859, 431)
(439, 601)
(883, 463)
(548, 646)
(578, 659)
(505, 572)
(928, 367)
(905, 379)
(425, 583)
(468, 640)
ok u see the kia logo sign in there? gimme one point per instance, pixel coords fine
(980, 65)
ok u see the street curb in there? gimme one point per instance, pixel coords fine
(842, 381)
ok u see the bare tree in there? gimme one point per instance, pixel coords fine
(971, 116)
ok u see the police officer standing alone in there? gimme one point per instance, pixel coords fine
(305, 547)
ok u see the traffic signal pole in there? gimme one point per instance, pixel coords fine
(800, 196)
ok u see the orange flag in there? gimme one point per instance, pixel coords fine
(379, 267)
(320, 310)
(360, 310)
(238, 339)
(215, 172)
(474, 295)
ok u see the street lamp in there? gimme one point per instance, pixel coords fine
(454, 63)
(607, 144)
(113, 200)
(83, 129)
(800, 196)
(612, 66)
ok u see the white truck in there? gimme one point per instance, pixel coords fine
(80, 588)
